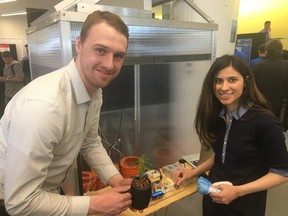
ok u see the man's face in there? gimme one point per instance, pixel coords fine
(101, 56)
(7, 60)
(268, 26)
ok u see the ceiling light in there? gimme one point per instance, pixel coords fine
(5, 1)
(13, 14)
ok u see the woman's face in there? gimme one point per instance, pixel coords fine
(228, 87)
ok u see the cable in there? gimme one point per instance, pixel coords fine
(113, 147)
(89, 181)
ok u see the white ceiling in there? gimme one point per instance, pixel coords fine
(21, 5)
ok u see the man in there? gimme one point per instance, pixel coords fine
(53, 118)
(261, 55)
(13, 76)
(271, 76)
(267, 30)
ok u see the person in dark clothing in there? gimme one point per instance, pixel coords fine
(271, 76)
(261, 55)
(285, 54)
(247, 140)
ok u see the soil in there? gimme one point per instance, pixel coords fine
(141, 183)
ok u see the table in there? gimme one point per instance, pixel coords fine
(168, 198)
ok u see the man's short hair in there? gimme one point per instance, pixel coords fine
(274, 48)
(104, 16)
(267, 22)
(6, 54)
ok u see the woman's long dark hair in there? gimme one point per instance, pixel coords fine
(209, 106)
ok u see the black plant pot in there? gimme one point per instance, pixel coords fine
(140, 196)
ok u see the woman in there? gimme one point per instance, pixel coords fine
(247, 140)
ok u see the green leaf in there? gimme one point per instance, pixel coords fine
(143, 164)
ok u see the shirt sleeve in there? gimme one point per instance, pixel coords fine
(94, 152)
(280, 172)
(272, 139)
(32, 136)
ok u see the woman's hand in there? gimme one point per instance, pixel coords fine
(226, 195)
(181, 175)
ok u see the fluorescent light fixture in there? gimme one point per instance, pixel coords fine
(13, 14)
(5, 1)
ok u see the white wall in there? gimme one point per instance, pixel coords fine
(13, 32)
(222, 12)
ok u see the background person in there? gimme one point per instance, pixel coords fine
(271, 76)
(53, 118)
(267, 30)
(261, 55)
(241, 54)
(249, 147)
(13, 76)
(285, 54)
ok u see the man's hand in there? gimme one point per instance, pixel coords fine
(111, 202)
(118, 180)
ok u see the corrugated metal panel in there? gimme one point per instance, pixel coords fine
(45, 48)
(150, 44)
(157, 41)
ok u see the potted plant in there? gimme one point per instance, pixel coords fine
(128, 166)
(141, 188)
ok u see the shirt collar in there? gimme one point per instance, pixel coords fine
(242, 111)
(81, 93)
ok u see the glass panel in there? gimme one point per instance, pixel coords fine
(168, 99)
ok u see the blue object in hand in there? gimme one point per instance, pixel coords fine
(205, 186)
